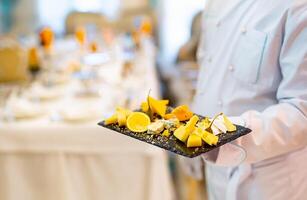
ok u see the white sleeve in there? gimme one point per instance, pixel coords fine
(282, 128)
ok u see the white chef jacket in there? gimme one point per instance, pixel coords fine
(253, 64)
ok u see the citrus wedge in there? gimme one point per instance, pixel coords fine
(138, 122)
(182, 113)
(157, 106)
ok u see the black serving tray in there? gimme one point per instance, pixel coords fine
(174, 145)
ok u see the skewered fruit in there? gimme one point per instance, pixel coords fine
(194, 141)
(138, 122)
(183, 113)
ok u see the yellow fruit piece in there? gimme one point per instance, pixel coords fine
(204, 124)
(122, 115)
(194, 141)
(144, 106)
(209, 138)
(169, 116)
(191, 124)
(164, 101)
(183, 113)
(181, 133)
(229, 125)
(111, 120)
(138, 122)
(121, 119)
(166, 133)
(198, 131)
(158, 106)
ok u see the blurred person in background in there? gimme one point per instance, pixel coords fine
(253, 65)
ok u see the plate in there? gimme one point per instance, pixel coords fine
(174, 145)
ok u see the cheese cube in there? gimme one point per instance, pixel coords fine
(194, 141)
(181, 134)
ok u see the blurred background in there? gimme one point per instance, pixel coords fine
(65, 65)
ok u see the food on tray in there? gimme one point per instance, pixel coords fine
(182, 113)
(111, 120)
(156, 127)
(138, 122)
(155, 106)
(119, 117)
(194, 141)
(166, 133)
(229, 125)
(156, 118)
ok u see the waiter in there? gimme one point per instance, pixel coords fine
(253, 66)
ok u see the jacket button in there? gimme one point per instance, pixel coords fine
(243, 30)
(231, 68)
(220, 103)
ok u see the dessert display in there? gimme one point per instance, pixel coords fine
(178, 130)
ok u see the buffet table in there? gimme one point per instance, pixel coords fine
(48, 157)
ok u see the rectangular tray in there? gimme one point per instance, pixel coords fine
(174, 145)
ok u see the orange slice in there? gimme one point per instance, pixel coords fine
(183, 113)
(138, 122)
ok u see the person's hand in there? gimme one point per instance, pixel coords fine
(228, 155)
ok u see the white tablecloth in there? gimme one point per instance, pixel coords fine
(44, 159)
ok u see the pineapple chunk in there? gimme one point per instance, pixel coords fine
(111, 120)
(229, 125)
(122, 115)
(198, 131)
(166, 133)
(191, 124)
(194, 141)
(182, 134)
(209, 138)
(121, 118)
